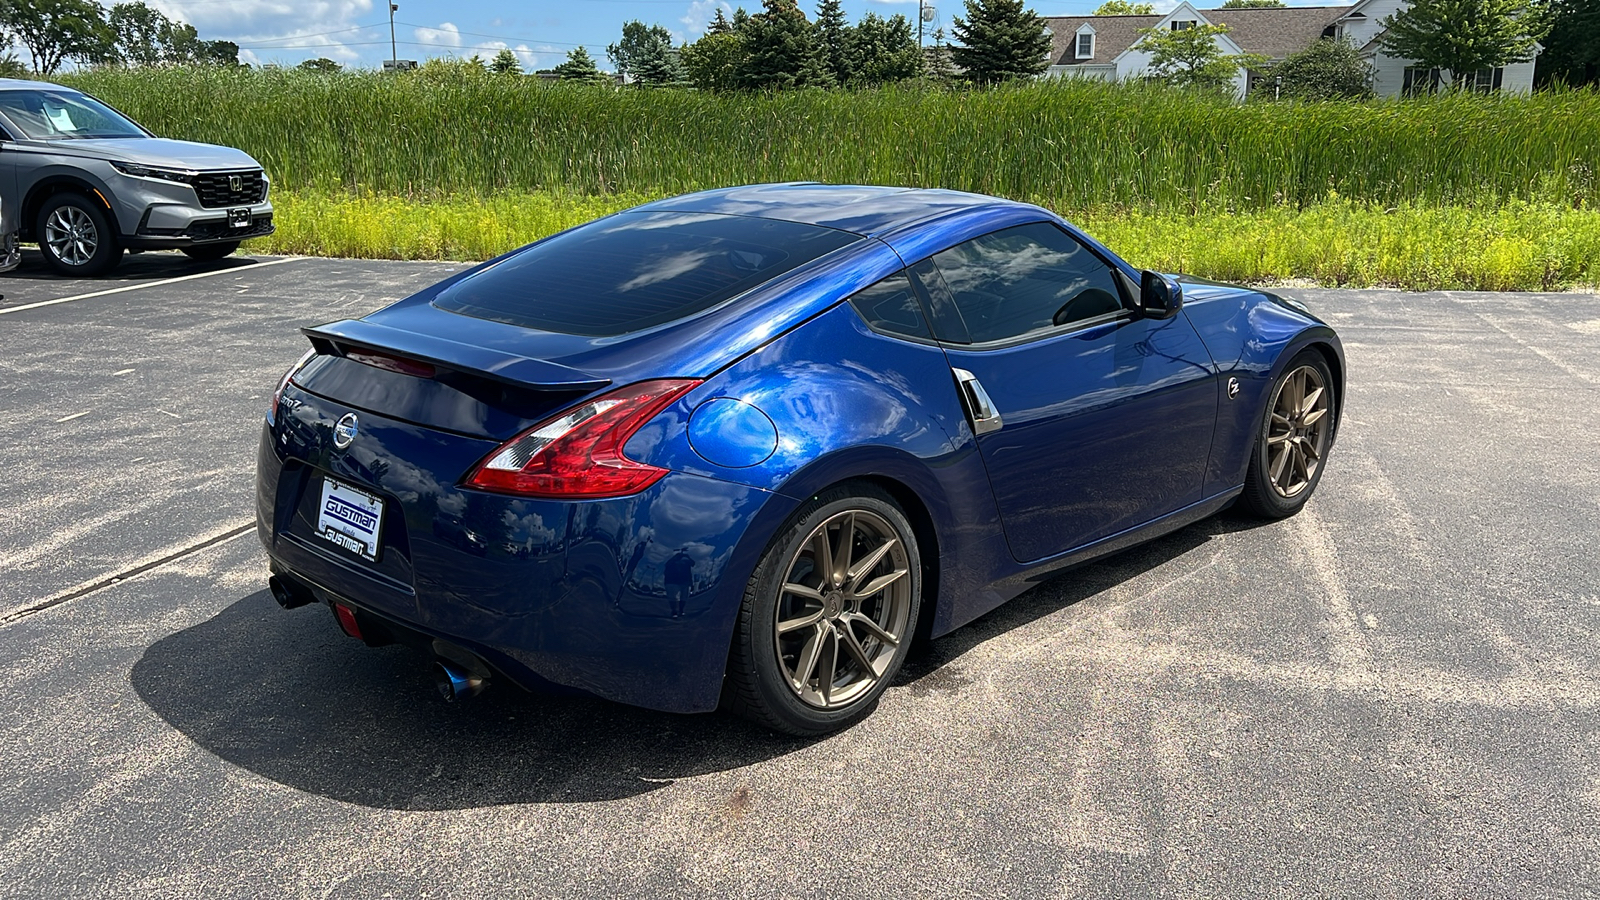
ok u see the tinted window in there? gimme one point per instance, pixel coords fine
(1026, 279)
(636, 270)
(890, 305)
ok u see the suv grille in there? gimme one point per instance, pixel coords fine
(216, 188)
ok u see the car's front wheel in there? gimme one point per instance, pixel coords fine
(210, 252)
(828, 615)
(76, 237)
(1292, 443)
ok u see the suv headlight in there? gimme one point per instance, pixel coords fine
(181, 176)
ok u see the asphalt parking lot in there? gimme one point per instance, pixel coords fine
(1393, 694)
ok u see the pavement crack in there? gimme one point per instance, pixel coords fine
(87, 589)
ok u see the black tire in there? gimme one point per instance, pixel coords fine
(761, 683)
(1277, 496)
(210, 252)
(76, 236)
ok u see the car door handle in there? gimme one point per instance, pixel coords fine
(980, 409)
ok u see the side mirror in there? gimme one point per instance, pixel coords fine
(1159, 296)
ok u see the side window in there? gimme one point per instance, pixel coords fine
(1026, 279)
(891, 306)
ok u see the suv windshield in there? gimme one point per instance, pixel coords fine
(57, 115)
(632, 271)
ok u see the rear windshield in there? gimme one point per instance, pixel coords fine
(637, 270)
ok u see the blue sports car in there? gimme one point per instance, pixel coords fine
(742, 447)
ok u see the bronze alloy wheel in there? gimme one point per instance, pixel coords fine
(843, 609)
(1297, 435)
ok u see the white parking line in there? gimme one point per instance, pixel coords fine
(149, 284)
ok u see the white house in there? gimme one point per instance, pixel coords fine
(1103, 46)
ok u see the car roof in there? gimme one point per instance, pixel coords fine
(861, 209)
(13, 84)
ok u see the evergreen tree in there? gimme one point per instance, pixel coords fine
(1124, 8)
(719, 24)
(833, 36)
(1329, 69)
(1464, 36)
(937, 61)
(580, 67)
(645, 54)
(779, 49)
(1572, 49)
(505, 63)
(1000, 40)
(884, 50)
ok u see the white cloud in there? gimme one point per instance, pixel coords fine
(446, 35)
(698, 17)
(271, 30)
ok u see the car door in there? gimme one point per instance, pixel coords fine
(1090, 417)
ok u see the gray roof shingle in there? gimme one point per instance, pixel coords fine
(1274, 32)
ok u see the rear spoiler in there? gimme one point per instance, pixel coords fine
(498, 365)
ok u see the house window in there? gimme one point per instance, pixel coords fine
(1420, 80)
(1182, 24)
(1485, 81)
(1086, 45)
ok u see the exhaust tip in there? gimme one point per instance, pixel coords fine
(457, 684)
(289, 594)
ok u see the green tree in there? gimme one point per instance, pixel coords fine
(320, 64)
(645, 54)
(1572, 49)
(1191, 58)
(884, 50)
(779, 50)
(1000, 40)
(713, 63)
(1124, 8)
(936, 65)
(1464, 36)
(1253, 4)
(833, 41)
(505, 63)
(579, 66)
(1329, 69)
(55, 31)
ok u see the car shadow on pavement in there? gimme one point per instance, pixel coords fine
(134, 267)
(290, 698)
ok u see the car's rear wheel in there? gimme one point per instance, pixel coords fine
(210, 252)
(828, 615)
(1292, 443)
(76, 237)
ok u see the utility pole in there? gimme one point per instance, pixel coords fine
(394, 55)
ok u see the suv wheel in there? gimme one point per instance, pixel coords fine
(76, 237)
(210, 252)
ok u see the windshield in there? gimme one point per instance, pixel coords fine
(57, 115)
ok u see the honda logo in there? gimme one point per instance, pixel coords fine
(235, 183)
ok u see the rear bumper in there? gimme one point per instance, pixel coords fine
(567, 593)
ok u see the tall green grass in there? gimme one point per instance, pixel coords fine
(1072, 144)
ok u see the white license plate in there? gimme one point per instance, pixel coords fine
(350, 519)
(239, 218)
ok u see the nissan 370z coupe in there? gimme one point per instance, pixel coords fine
(741, 447)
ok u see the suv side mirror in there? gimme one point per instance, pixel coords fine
(1159, 296)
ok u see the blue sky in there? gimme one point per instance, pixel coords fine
(356, 32)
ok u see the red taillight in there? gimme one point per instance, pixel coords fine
(277, 395)
(391, 363)
(579, 453)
